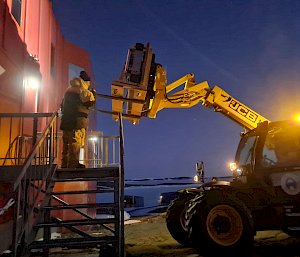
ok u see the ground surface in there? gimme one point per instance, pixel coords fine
(149, 237)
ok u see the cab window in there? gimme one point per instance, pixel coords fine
(282, 147)
(244, 155)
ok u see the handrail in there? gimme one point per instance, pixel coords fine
(34, 176)
(10, 147)
(18, 134)
(34, 150)
(103, 151)
(26, 115)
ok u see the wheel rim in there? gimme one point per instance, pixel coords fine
(182, 219)
(224, 225)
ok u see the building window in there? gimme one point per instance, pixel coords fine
(16, 10)
(52, 66)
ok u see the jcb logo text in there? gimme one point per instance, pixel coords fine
(242, 110)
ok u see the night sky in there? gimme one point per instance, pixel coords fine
(248, 48)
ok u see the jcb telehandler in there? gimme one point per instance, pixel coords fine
(221, 217)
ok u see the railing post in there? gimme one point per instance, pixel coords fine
(121, 186)
(49, 147)
(47, 230)
(15, 224)
(106, 150)
(34, 131)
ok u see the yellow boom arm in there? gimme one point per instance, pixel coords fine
(148, 100)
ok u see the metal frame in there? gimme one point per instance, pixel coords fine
(36, 173)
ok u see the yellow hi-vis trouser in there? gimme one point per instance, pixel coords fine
(73, 140)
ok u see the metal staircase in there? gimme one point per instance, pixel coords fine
(100, 232)
(41, 207)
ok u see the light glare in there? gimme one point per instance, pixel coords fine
(196, 178)
(31, 83)
(232, 166)
(296, 117)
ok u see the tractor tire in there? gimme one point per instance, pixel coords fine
(219, 224)
(175, 219)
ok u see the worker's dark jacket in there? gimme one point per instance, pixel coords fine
(75, 106)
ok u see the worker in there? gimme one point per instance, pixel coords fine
(74, 121)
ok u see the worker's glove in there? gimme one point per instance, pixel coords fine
(93, 92)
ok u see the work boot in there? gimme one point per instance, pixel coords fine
(74, 155)
(80, 166)
(65, 153)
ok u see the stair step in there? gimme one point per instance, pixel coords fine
(83, 222)
(80, 206)
(83, 178)
(294, 228)
(74, 229)
(99, 169)
(82, 192)
(107, 173)
(293, 214)
(74, 242)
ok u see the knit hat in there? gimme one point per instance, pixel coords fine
(84, 76)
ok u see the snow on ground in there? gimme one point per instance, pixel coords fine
(149, 237)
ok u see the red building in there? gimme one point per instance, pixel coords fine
(36, 63)
(36, 60)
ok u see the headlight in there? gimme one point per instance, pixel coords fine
(232, 166)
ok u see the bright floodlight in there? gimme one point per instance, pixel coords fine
(296, 117)
(32, 83)
(93, 139)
